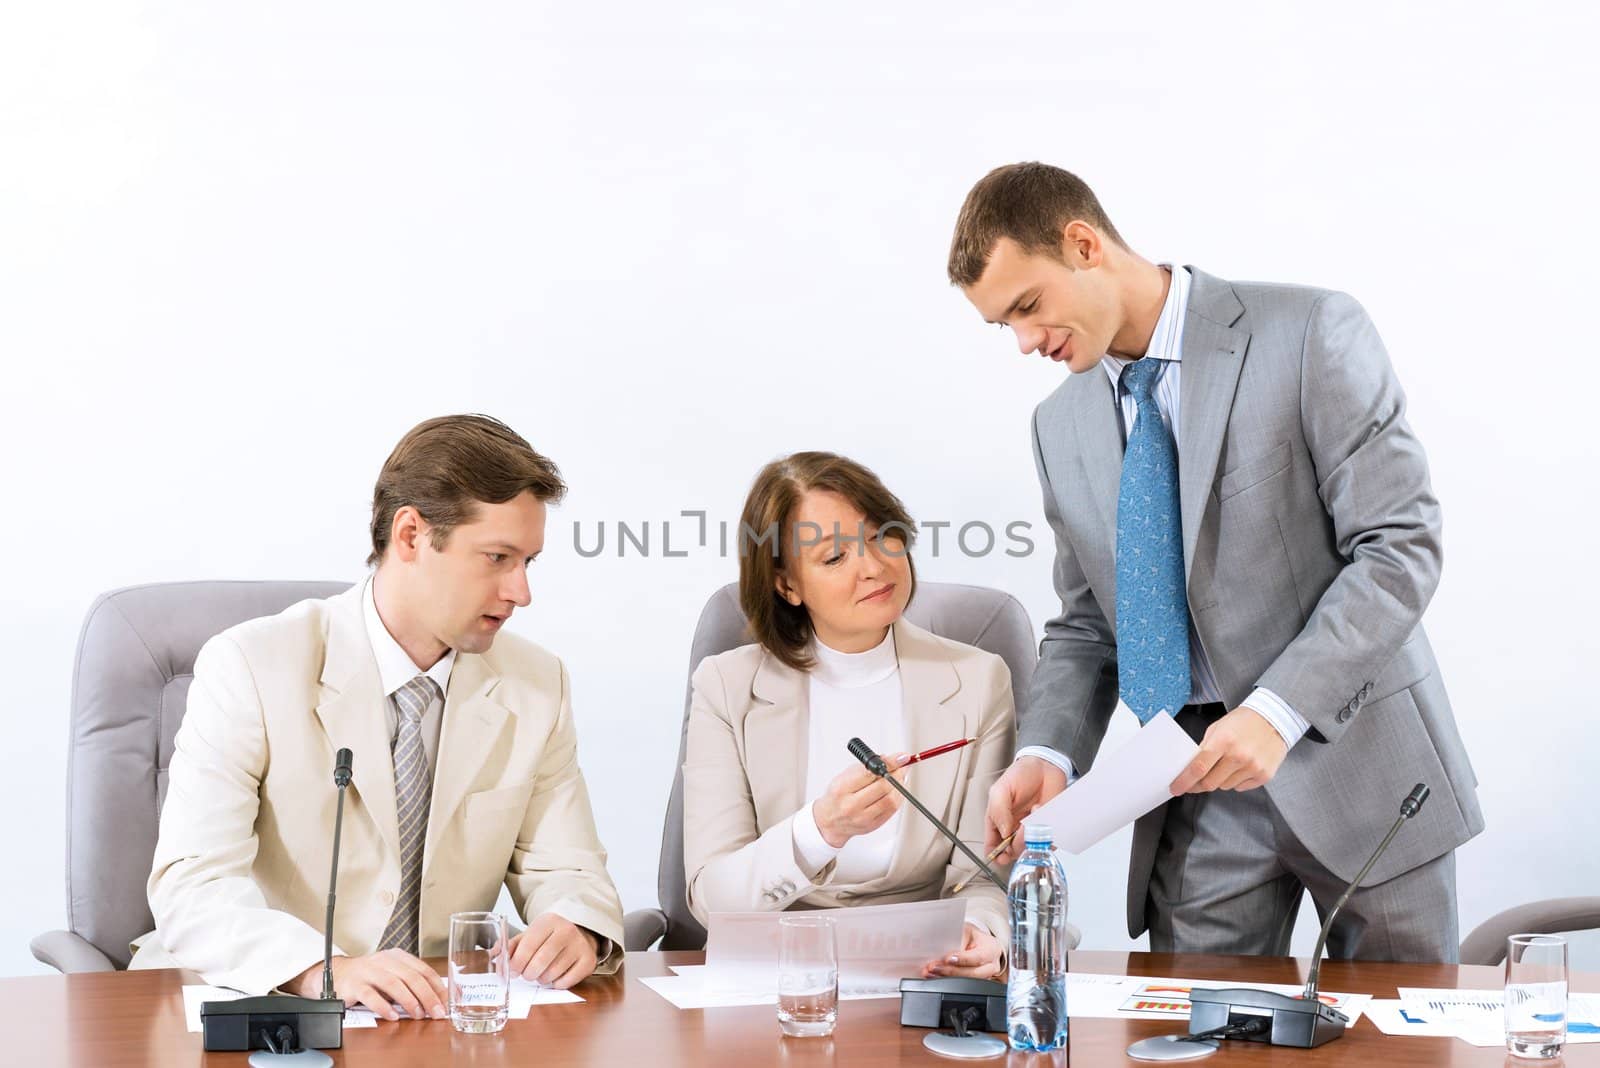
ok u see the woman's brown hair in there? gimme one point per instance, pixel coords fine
(767, 541)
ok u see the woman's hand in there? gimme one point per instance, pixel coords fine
(857, 802)
(980, 958)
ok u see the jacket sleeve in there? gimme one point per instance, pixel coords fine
(210, 915)
(558, 864)
(730, 864)
(1372, 477)
(1074, 688)
(986, 903)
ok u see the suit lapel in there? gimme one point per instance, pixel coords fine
(350, 708)
(1100, 443)
(470, 730)
(1213, 353)
(928, 685)
(777, 734)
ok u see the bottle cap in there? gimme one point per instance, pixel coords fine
(1037, 834)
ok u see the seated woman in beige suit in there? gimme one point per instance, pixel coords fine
(777, 814)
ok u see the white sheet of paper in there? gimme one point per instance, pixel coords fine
(1477, 1017)
(878, 945)
(1121, 787)
(196, 995)
(1099, 996)
(688, 990)
(1440, 1004)
(524, 996)
(1386, 1016)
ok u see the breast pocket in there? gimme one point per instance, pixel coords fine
(1253, 472)
(492, 815)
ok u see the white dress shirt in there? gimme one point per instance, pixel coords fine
(1166, 346)
(851, 695)
(396, 668)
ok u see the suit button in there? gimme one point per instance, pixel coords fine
(1344, 714)
(386, 898)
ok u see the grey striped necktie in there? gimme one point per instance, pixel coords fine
(413, 790)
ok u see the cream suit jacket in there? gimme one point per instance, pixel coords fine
(239, 883)
(744, 778)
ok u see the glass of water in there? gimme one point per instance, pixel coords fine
(480, 976)
(808, 976)
(1536, 995)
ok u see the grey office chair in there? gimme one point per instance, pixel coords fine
(129, 688)
(988, 618)
(1487, 942)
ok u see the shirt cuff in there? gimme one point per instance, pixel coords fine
(1289, 724)
(1060, 760)
(810, 848)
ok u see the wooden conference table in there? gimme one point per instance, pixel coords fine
(107, 1020)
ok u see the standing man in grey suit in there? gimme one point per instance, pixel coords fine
(1246, 539)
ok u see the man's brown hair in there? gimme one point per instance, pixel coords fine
(446, 466)
(768, 540)
(1031, 203)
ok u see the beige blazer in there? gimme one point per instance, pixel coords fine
(239, 883)
(744, 777)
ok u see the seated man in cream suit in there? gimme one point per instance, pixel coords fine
(465, 757)
(777, 814)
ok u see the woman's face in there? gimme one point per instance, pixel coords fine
(853, 582)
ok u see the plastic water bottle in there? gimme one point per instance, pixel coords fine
(1036, 994)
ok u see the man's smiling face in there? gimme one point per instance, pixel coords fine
(1063, 311)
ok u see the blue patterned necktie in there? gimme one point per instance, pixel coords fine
(413, 792)
(1152, 607)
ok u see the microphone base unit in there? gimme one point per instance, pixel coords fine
(930, 1003)
(1294, 1021)
(964, 1007)
(255, 1024)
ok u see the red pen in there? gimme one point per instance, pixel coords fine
(937, 750)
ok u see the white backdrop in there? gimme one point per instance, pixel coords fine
(244, 247)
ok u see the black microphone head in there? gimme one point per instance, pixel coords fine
(341, 768)
(1413, 802)
(863, 752)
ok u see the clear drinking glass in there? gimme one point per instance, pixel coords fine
(808, 976)
(480, 977)
(1536, 995)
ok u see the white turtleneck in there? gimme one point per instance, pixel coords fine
(851, 695)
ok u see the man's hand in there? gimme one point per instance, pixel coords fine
(554, 952)
(857, 802)
(381, 981)
(1026, 784)
(979, 958)
(1241, 751)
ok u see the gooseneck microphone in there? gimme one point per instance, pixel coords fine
(341, 779)
(284, 1030)
(1408, 808)
(1299, 1020)
(875, 764)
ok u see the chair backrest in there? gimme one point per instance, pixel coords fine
(129, 689)
(977, 615)
(1561, 915)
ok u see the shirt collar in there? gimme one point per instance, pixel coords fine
(1166, 343)
(847, 671)
(395, 666)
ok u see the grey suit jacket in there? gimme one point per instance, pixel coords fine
(1311, 545)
